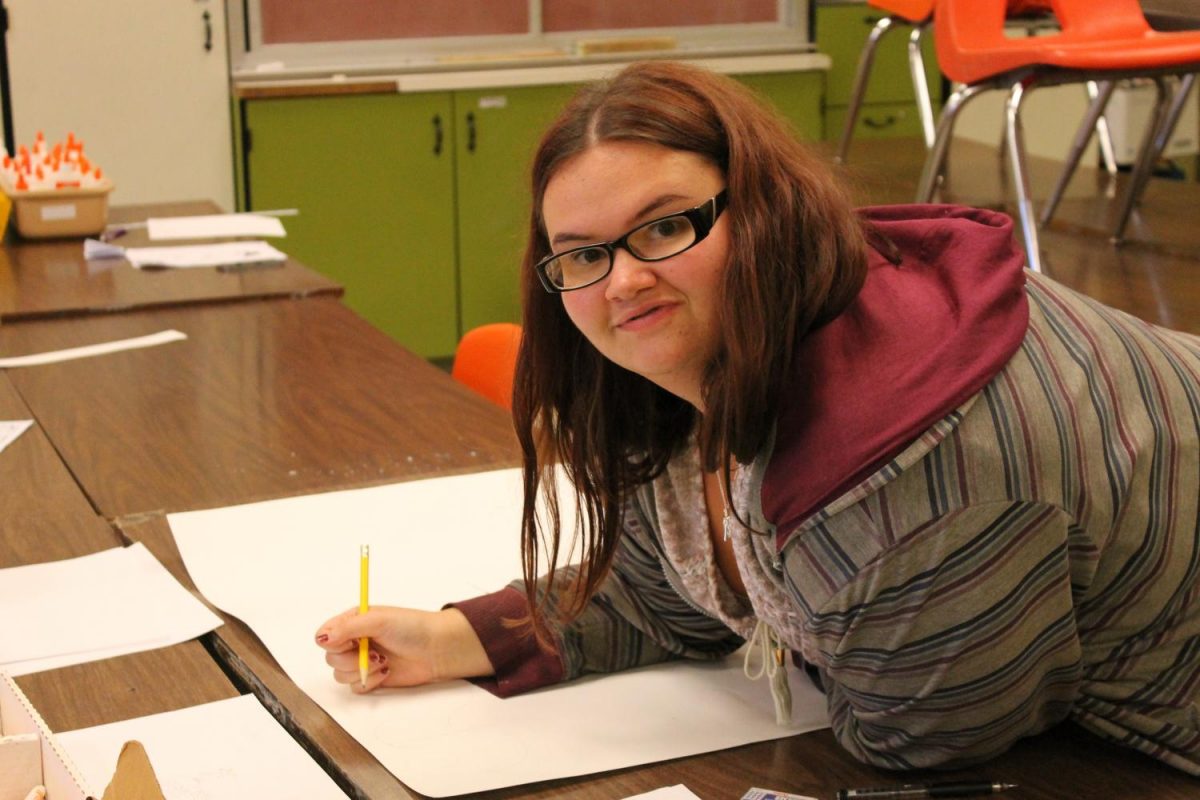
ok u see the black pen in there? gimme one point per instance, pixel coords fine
(918, 791)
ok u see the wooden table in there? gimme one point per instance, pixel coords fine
(266, 399)
(44, 516)
(1172, 15)
(50, 277)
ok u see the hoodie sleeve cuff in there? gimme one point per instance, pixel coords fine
(520, 663)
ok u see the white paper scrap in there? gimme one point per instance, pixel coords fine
(95, 250)
(224, 254)
(676, 792)
(215, 751)
(213, 226)
(87, 351)
(435, 541)
(97, 606)
(11, 429)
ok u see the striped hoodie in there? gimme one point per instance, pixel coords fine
(987, 527)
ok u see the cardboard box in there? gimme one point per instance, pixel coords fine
(47, 213)
(29, 755)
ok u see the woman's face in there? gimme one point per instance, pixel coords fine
(658, 319)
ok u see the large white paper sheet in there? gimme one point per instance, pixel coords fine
(10, 429)
(87, 351)
(97, 606)
(213, 226)
(216, 751)
(189, 256)
(431, 542)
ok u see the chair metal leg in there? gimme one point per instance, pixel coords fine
(916, 66)
(936, 158)
(865, 61)
(1083, 135)
(1153, 143)
(1020, 175)
(1103, 135)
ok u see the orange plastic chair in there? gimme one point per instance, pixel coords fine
(1099, 40)
(485, 360)
(917, 14)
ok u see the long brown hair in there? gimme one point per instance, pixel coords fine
(797, 259)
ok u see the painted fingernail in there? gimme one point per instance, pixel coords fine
(385, 671)
(375, 657)
(322, 638)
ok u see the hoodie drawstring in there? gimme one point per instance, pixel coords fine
(773, 664)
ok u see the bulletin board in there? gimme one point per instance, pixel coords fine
(310, 21)
(307, 21)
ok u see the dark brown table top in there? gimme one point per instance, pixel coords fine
(134, 685)
(1172, 15)
(49, 277)
(44, 515)
(265, 399)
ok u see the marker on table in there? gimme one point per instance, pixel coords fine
(920, 791)
(364, 566)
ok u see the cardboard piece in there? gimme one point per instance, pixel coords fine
(134, 778)
(20, 765)
(21, 723)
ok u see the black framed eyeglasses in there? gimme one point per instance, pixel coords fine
(656, 240)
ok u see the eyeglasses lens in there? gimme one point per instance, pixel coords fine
(654, 241)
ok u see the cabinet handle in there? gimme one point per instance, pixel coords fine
(471, 132)
(437, 134)
(207, 31)
(886, 122)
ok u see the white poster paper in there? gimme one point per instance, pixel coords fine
(432, 542)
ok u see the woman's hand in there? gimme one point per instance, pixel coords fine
(407, 647)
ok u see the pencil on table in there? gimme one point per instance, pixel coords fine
(364, 563)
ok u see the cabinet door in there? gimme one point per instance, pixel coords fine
(795, 95)
(497, 131)
(842, 32)
(373, 178)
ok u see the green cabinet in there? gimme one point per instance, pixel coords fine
(888, 107)
(373, 178)
(418, 203)
(795, 95)
(497, 133)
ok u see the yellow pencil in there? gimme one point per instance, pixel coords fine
(364, 565)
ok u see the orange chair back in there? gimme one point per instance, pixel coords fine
(486, 359)
(911, 10)
(1099, 35)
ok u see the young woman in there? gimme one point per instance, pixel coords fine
(961, 496)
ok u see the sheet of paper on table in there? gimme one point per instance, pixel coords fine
(88, 351)
(190, 256)
(213, 226)
(10, 429)
(215, 751)
(97, 606)
(435, 541)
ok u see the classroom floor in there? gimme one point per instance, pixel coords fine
(1155, 275)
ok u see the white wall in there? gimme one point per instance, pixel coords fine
(132, 79)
